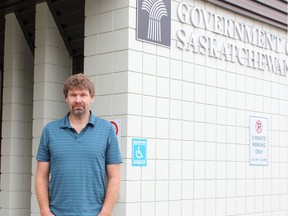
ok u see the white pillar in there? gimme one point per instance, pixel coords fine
(53, 66)
(16, 145)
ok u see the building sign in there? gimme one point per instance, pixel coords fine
(139, 152)
(154, 21)
(247, 45)
(258, 141)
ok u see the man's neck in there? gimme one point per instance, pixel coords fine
(79, 122)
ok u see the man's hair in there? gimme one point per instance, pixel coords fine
(79, 81)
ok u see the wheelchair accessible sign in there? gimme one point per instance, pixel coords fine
(139, 152)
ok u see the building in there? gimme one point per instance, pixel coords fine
(203, 95)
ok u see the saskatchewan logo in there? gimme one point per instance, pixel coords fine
(154, 21)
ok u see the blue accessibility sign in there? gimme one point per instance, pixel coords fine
(139, 152)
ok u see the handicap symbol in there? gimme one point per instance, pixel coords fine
(139, 153)
(139, 149)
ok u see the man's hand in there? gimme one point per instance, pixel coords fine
(104, 214)
(47, 213)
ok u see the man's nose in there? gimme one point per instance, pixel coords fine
(78, 99)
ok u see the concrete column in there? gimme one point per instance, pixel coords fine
(53, 66)
(16, 145)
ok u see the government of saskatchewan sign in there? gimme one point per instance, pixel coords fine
(154, 21)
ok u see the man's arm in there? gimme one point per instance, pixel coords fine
(112, 190)
(42, 187)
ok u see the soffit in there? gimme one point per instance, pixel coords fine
(273, 12)
(68, 15)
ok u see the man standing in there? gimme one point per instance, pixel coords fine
(78, 168)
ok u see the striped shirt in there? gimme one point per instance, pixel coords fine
(78, 164)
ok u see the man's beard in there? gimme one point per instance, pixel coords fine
(79, 111)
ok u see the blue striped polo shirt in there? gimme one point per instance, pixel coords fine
(78, 164)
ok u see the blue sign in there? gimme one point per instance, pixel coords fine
(139, 152)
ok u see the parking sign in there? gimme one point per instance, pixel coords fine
(139, 152)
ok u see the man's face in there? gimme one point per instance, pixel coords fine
(79, 101)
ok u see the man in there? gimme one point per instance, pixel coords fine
(80, 153)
